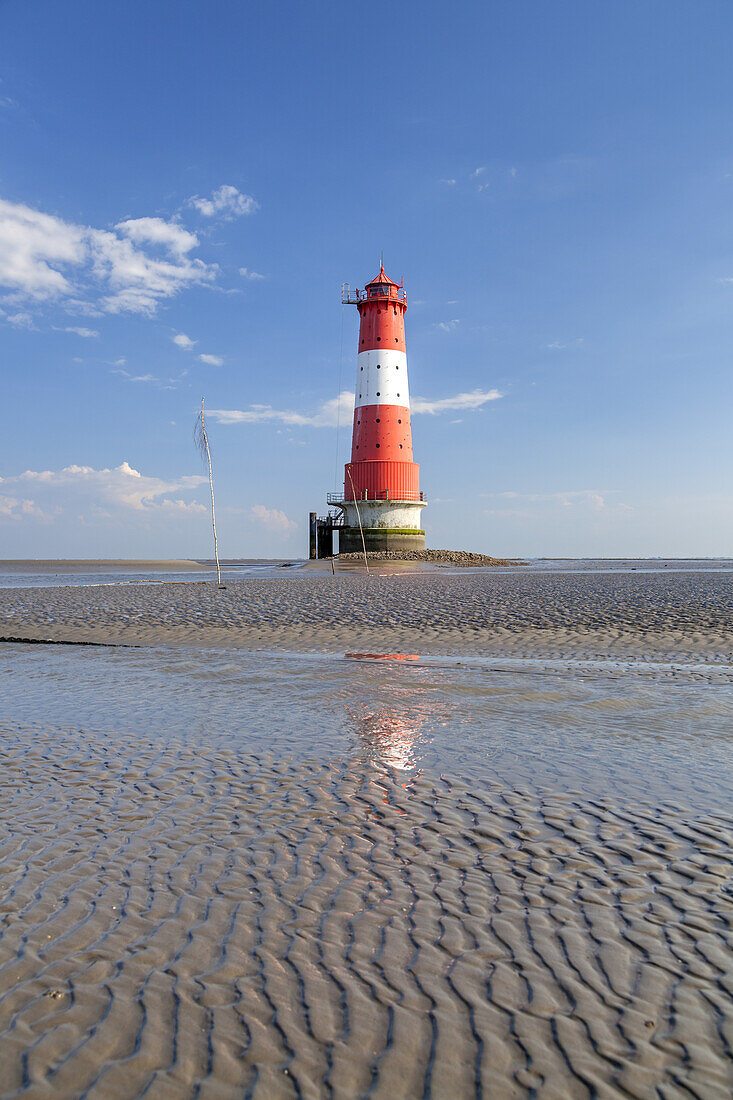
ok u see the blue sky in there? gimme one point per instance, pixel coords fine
(185, 185)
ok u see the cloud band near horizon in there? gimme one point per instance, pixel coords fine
(336, 410)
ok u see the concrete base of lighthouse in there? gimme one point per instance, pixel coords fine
(387, 525)
(378, 538)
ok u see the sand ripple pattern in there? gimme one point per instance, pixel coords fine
(588, 615)
(216, 923)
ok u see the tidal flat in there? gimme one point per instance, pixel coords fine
(397, 836)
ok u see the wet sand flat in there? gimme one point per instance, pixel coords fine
(227, 872)
(642, 615)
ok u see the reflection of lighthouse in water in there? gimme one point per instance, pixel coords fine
(388, 737)
(381, 496)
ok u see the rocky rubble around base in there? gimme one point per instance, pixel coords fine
(436, 557)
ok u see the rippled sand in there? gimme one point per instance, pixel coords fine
(221, 919)
(643, 615)
(229, 874)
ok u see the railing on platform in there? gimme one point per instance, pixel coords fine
(339, 498)
(383, 290)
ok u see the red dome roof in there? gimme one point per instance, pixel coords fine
(382, 278)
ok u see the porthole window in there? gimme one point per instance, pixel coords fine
(377, 446)
(378, 420)
(379, 338)
(397, 368)
(400, 446)
(395, 340)
(379, 366)
(378, 394)
(399, 421)
(361, 368)
(398, 395)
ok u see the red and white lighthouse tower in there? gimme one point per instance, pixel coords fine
(381, 494)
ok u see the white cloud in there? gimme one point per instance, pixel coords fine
(135, 377)
(557, 345)
(139, 282)
(161, 383)
(183, 341)
(326, 417)
(473, 400)
(449, 183)
(448, 326)
(33, 249)
(273, 519)
(87, 333)
(170, 235)
(43, 257)
(478, 172)
(182, 506)
(17, 508)
(591, 498)
(595, 500)
(340, 410)
(20, 320)
(72, 488)
(247, 274)
(227, 202)
(212, 360)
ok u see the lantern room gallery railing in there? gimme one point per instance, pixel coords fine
(351, 297)
(339, 498)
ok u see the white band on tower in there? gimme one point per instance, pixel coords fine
(381, 378)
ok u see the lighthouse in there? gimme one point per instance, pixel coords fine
(381, 500)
